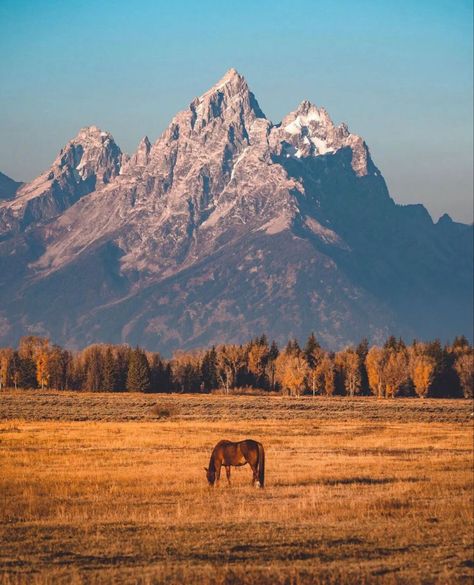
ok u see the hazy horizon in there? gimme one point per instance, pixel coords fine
(400, 76)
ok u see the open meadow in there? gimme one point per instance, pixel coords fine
(110, 488)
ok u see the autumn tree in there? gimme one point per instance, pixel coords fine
(230, 359)
(421, 367)
(464, 366)
(292, 371)
(42, 362)
(395, 372)
(326, 375)
(375, 362)
(257, 360)
(6, 361)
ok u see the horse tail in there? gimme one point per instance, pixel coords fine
(261, 465)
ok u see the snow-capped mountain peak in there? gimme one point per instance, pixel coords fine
(226, 225)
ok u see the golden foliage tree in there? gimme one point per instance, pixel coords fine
(327, 375)
(395, 371)
(374, 363)
(43, 367)
(6, 358)
(230, 359)
(257, 359)
(464, 367)
(422, 368)
(292, 371)
(314, 359)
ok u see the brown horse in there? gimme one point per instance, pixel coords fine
(227, 453)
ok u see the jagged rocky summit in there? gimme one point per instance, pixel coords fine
(225, 227)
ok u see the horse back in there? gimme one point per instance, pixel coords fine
(249, 449)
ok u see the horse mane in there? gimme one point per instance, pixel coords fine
(212, 465)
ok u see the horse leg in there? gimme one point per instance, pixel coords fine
(254, 473)
(218, 472)
(227, 471)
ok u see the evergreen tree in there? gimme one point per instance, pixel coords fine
(273, 353)
(24, 371)
(311, 350)
(460, 343)
(123, 353)
(168, 378)
(445, 380)
(394, 344)
(156, 372)
(138, 377)
(293, 347)
(362, 350)
(209, 369)
(109, 375)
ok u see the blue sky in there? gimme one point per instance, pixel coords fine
(399, 73)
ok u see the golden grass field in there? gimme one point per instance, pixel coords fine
(98, 488)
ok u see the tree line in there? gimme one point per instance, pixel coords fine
(394, 369)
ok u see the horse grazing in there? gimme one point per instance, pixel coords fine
(227, 453)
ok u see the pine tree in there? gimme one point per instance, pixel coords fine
(122, 353)
(273, 353)
(24, 371)
(362, 350)
(209, 369)
(293, 347)
(445, 380)
(460, 343)
(138, 378)
(312, 350)
(109, 374)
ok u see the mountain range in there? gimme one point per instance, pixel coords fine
(226, 227)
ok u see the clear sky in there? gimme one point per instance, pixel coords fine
(398, 72)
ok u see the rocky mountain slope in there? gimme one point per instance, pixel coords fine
(227, 226)
(8, 187)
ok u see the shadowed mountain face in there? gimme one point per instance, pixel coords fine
(8, 187)
(226, 227)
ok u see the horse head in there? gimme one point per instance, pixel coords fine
(211, 476)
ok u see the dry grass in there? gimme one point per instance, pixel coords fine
(377, 494)
(88, 406)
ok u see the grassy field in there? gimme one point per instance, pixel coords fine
(97, 488)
